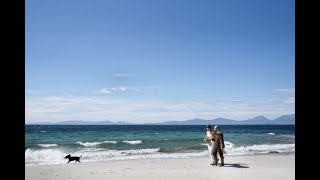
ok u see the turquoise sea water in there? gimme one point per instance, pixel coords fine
(49, 144)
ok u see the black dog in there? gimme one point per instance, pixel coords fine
(75, 158)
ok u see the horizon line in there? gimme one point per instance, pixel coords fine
(152, 123)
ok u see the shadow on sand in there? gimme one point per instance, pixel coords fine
(235, 165)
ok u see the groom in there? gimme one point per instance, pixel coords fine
(218, 146)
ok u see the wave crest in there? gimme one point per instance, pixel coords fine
(89, 144)
(45, 156)
(133, 142)
(48, 145)
(261, 148)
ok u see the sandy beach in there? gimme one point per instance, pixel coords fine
(249, 167)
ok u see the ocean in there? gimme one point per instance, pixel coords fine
(49, 144)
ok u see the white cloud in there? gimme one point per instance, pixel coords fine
(289, 94)
(96, 108)
(65, 92)
(104, 91)
(284, 90)
(114, 89)
(124, 75)
(290, 100)
(122, 88)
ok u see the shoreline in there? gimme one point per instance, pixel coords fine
(251, 166)
(194, 157)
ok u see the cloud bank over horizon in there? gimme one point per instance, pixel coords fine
(55, 108)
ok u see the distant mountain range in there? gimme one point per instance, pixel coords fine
(260, 120)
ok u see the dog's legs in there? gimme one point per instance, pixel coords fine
(68, 162)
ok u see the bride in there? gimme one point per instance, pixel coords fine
(210, 141)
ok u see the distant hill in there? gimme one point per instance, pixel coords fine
(196, 122)
(259, 120)
(286, 119)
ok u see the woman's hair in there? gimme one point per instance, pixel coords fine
(208, 126)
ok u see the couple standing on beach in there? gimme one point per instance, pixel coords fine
(215, 145)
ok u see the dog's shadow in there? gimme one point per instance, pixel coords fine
(235, 165)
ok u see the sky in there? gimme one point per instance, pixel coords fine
(147, 61)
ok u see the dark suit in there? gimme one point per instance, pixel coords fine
(219, 141)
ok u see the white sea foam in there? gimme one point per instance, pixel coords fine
(93, 154)
(110, 142)
(45, 156)
(133, 142)
(228, 145)
(89, 144)
(231, 149)
(56, 156)
(261, 148)
(271, 133)
(109, 155)
(48, 145)
(160, 156)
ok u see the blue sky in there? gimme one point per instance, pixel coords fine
(152, 61)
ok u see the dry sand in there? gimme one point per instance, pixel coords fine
(248, 167)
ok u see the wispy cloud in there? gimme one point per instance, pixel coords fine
(289, 95)
(284, 90)
(104, 91)
(122, 88)
(123, 75)
(113, 90)
(95, 108)
(64, 91)
(290, 100)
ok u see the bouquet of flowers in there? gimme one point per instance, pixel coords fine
(207, 139)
